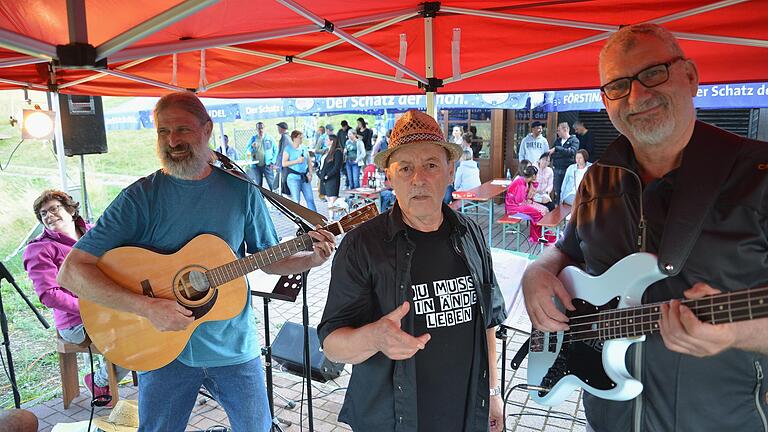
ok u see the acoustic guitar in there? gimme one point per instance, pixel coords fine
(608, 319)
(204, 276)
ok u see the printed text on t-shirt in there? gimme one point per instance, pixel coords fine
(448, 302)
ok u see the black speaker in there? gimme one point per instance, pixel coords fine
(82, 125)
(288, 350)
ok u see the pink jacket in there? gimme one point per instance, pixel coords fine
(517, 195)
(42, 260)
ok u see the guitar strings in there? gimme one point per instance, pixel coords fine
(607, 330)
(225, 273)
(706, 308)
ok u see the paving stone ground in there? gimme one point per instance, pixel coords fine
(523, 414)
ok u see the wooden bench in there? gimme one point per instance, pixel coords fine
(511, 224)
(70, 385)
(552, 221)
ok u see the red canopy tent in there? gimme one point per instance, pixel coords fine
(300, 48)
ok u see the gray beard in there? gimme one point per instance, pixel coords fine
(190, 168)
(653, 134)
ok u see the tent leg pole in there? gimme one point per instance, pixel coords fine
(58, 141)
(431, 109)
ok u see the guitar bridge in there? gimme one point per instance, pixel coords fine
(146, 288)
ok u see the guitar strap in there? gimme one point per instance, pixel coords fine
(517, 360)
(707, 161)
(223, 163)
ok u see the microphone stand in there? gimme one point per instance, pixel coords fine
(5, 274)
(232, 168)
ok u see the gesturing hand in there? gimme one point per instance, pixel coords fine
(394, 342)
(168, 315)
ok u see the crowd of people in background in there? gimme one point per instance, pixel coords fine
(337, 158)
(343, 159)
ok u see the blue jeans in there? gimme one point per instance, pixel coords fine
(297, 186)
(353, 174)
(258, 174)
(167, 396)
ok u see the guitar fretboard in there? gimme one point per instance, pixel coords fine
(643, 320)
(236, 269)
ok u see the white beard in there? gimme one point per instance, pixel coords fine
(652, 130)
(189, 168)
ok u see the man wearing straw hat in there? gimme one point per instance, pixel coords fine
(413, 301)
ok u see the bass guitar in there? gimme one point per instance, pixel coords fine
(609, 317)
(204, 276)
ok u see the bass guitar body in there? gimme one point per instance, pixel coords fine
(589, 355)
(132, 341)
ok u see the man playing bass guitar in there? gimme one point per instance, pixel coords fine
(163, 212)
(695, 196)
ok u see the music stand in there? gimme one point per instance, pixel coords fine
(5, 274)
(286, 289)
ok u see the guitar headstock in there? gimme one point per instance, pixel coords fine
(353, 219)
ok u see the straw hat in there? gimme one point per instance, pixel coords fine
(416, 127)
(123, 418)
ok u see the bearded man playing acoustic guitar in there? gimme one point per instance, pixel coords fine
(696, 196)
(163, 212)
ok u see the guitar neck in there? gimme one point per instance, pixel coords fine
(236, 269)
(721, 308)
(239, 268)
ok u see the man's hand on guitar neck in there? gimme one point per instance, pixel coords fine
(167, 315)
(682, 332)
(323, 247)
(541, 286)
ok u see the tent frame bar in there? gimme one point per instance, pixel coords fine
(150, 26)
(77, 23)
(429, 64)
(346, 37)
(27, 45)
(102, 74)
(595, 38)
(528, 19)
(298, 58)
(246, 74)
(24, 84)
(20, 61)
(179, 47)
(132, 77)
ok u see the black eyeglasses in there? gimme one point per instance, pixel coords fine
(651, 77)
(53, 209)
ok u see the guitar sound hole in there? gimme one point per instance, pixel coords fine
(192, 286)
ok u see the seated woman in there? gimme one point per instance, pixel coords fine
(62, 227)
(467, 173)
(573, 176)
(544, 183)
(518, 200)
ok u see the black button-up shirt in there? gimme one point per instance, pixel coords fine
(371, 277)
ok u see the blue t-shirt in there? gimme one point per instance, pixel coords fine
(295, 153)
(163, 213)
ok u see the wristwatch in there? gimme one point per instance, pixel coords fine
(496, 391)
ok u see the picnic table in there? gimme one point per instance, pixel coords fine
(365, 195)
(481, 200)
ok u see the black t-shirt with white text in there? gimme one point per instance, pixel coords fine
(445, 306)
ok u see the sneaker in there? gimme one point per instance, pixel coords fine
(94, 390)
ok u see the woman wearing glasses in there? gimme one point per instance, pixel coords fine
(62, 227)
